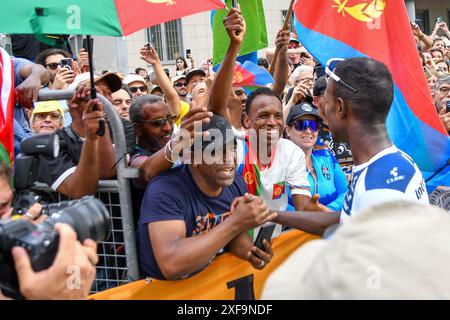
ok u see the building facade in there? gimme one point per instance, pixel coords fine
(194, 32)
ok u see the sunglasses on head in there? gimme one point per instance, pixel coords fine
(329, 73)
(135, 89)
(302, 125)
(180, 84)
(158, 123)
(52, 66)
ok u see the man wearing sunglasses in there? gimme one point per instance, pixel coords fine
(180, 86)
(61, 78)
(136, 84)
(294, 52)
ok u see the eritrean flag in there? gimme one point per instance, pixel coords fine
(249, 74)
(6, 108)
(250, 171)
(380, 30)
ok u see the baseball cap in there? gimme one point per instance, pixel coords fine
(292, 39)
(176, 78)
(156, 88)
(319, 86)
(377, 254)
(194, 73)
(48, 106)
(133, 78)
(112, 80)
(302, 109)
(220, 132)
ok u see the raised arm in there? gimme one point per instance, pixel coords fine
(223, 82)
(426, 40)
(281, 73)
(173, 100)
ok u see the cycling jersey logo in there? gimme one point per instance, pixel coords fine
(394, 176)
(421, 190)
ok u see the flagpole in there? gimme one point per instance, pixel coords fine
(101, 129)
(285, 27)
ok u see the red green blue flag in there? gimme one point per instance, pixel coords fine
(380, 30)
(6, 108)
(249, 74)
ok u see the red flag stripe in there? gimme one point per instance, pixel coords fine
(7, 103)
(391, 42)
(136, 15)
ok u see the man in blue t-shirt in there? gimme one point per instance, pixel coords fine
(190, 213)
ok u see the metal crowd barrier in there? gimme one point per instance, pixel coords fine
(118, 256)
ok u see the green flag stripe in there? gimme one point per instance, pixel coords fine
(4, 157)
(97, 17)
(256, 36)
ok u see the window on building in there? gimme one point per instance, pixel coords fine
(424, 17)
(167, 39)
(284, 13)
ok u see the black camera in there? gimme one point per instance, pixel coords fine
(88, 217)
(30, 180)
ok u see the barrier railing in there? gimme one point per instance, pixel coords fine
(118, 256)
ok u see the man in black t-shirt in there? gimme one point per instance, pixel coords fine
(84, 157)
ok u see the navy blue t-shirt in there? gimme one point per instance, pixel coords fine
(174, 195)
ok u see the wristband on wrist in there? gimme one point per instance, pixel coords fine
(168, 147)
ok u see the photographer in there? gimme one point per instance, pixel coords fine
(442, 98)
(303, 80)
(51, 283)
(86, 157)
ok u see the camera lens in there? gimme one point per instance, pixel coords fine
(88, 217)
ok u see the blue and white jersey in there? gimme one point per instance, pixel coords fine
(390, 175)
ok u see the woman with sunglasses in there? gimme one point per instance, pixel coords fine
(324, 172)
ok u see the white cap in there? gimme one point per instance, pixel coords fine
(176, 78)
(79, 79)
(133, 78)
(112, 80)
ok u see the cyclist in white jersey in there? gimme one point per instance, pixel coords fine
(358, 97)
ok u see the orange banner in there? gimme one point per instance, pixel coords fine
(226, 278)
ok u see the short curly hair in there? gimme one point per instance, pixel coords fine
(5, 172)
